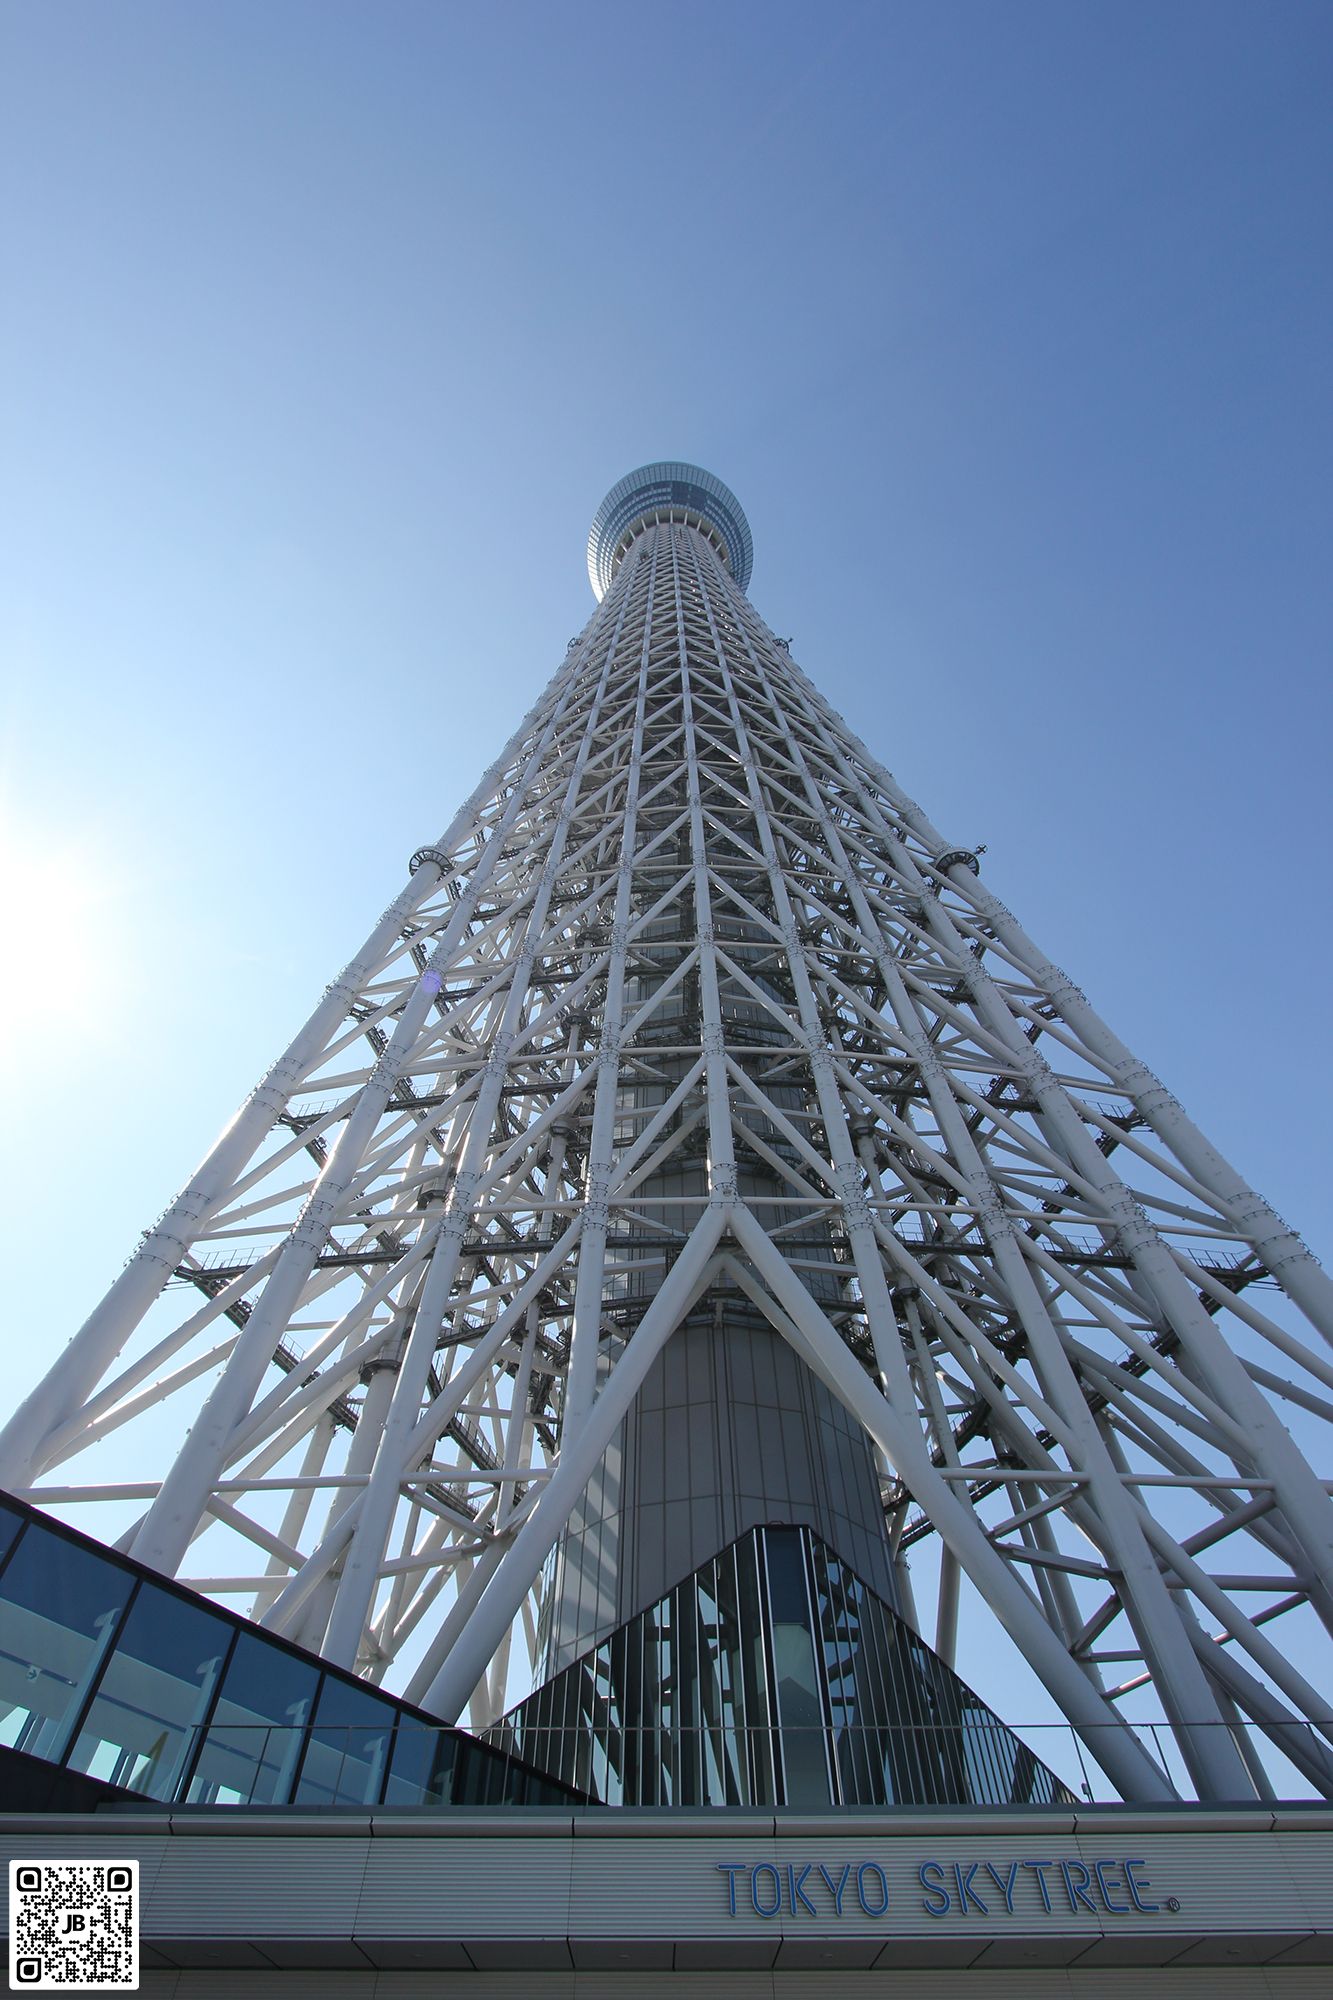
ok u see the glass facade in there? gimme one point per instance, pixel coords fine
(117, 1674)
(153, 1695)
(669, 488)
(772, 1677)
(60, 1606)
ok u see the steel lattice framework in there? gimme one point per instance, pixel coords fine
(687, 916)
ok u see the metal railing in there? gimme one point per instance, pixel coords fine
(894, 1766)
(312, 1765)
(973, 1762)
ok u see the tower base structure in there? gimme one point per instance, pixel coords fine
(291, 1825)
(697, 1200)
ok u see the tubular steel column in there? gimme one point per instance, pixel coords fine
(689, 1044)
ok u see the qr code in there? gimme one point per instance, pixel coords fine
(73, 1924)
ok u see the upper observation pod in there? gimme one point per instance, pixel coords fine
(668, 490)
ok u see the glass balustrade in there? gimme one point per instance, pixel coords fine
(131, 1680)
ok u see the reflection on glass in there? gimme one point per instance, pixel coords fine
(10, 1523)
(422, 1772)
(348, 1748)
(59, 1608)
(108, 1671)
(159, 1680)
(772, 1676)
(800, 1709)
(253, 1745)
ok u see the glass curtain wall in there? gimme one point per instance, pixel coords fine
(772, 1677)
(116, 1674)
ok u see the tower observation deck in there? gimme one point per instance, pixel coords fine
(663, 492)
(698, 1252)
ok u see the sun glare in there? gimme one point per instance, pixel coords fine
(63, 955)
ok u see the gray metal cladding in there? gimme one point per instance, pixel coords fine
(730, 1431)
(1305, 1858)
(1244, 1892)
(1251, 1983)
(259, 1887)
(517, 1888)
(48, 1841)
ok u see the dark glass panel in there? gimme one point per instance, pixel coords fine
(543, 1742)
(482, 1776)
(760, 1763)
(572, 1721)
(720, 1785)
(730, 1675)
(632, 1711)
(772, 1655)
(615, 1788)
(576, 1768)
(686, 1663)
(348, 1750)
(869, 1689)
(650, 1747)
(154, 1694)
(668, 1715)
(10, 1523)
(796, 1672)
(422, 1771)
(253, 1744)
(559, 1696)
(59, 1608)
(599, 1765)
(835, 1626)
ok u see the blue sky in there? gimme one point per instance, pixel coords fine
(328, 325)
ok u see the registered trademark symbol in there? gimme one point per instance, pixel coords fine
(1173, 1902)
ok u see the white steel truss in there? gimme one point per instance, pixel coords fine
(686, 920)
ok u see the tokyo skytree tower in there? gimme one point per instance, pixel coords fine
(696, 1146)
